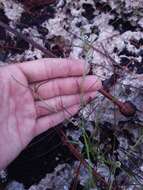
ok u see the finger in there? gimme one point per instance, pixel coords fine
(44, 69)
(66, 86)
(45, 123)
(59, 103)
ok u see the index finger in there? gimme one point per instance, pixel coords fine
(50, 68)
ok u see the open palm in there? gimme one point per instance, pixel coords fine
(38, 95)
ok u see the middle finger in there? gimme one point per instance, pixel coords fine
(65, 86)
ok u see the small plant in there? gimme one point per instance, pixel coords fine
(92, 148)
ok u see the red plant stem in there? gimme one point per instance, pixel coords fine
(110, 97)
(27, 39)
(77, 154)
(75, 181)
(125, 109)
(9, 47)
(33, 3)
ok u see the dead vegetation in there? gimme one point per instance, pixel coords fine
(104, 144)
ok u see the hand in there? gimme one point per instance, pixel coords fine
(38, 95)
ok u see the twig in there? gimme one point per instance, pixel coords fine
(75, 180)
(97, 50)
(76, 153)
(27, 39)
(126, 108)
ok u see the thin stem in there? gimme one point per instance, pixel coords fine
(27, 39)
(80, 158)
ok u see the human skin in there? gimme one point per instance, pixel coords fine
(38, 95)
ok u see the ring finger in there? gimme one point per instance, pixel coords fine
(53, 105)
